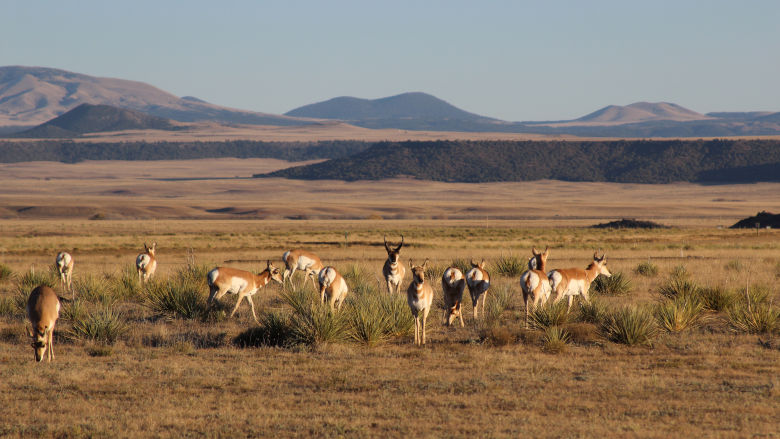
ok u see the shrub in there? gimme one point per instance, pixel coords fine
(679, 272)
(550, 315)
(75, 310)
(647, 269)
(274, 330)
(509, 265)
(716, 298)
(125, 286)
(754, 319)
(555, 339)
(312, 322)
(497, 335)
(678, 286)
(175, 298)
(360, 281)
(680, 313)
(31, 279)
(95, 289)
(396, 308)
(615, 285)
(368, 323)
(592, 312)
(433, 273)
(5, 273)
(104, 325)
(631, 326)
(193, 273)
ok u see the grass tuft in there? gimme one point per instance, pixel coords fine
(647, 269)
(509, 265)
(757, 318)
(680, 313)
(6, 273)
(312, 322)
(679, 286)
(176, 297)
(95, 289)
(104, 325)
(616, 285)
(550, 315)
(630, 326)
(555, 339)
(275, 330)
(594, 312)
(717, 298)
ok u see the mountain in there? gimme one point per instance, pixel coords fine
(88, 118)
(640, 112)
(33, 95)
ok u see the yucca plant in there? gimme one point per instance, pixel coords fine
(631, 326)
(31, 279)
(615, 285)
(125, 285)
(679, 286)
(95, 289)
(400, 317)
(592, 312)
(6, 273)
(274, 330)
(647, 269)
(104, 325)
(550, 315)
(680, 313)
(509, 265)
(717, 298)
(8, 306)
(679, 272)
(368, 322)
(74, 310)
(756, 318)
(312, 322)
(175, 298)
(555, 339)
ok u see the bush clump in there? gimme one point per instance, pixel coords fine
(630, 326)
(509, 265)
(615, 285)
(179, 298)
(680, 313)
(647, 269)
(104, 325)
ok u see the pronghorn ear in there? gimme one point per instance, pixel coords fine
(410, 263)
(534, 251)
(154, 245)
(482, 264)
(546, 250)
(474, 264)
(425, 263)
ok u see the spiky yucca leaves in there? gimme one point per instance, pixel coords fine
(593, 312)
(275, 330)
(679, 286)
(555, 339)
(368, 322)
(8, 306)
(98, 289)
(6, 273)
(647, 269)
(175, 297)
(717, 298)
(616, 285)
(75, 310)
(500, 299)
(550, 315)
(755, 318)
(631, 326)
(680, 313)
(27, 281)
(509, 265)
(125, 284)
(103, 325)
(312, 322)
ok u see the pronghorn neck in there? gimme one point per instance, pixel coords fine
(592, 272)
(263, 278)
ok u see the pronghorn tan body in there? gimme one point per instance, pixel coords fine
(393, 270)
(303, 260)
(452, 284)
(534, 282)
(64, 263)
(478, 281)
(419, 296)
(43, 310)
(333, 287)
(572, 282)
(146, 263)
(223, 280)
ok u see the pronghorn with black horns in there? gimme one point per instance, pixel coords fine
(224, 280)
(394, 270)
(64, 263)
(572, 282)
(43, 310)
(478, 281)
(146, 263)
(452, 285)
(534, 282)
(419, 296)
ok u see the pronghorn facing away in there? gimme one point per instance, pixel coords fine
(572, 282)
(394, 271)
(332, 286)
(478, 281)
(302, 260)
(452, 284)
(146, 263)
(43, 309)
(534, 282)
(419, 296)
(64, 263)
(224, 280)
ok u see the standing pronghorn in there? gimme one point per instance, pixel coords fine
(452, 284)
(572, 282)
(43, 309)
(302, 260)
(393, 270)
(146, 263)
(534, 282)
(64, 263)
(419, 296)
(223, 280)
(478, 281)
(333, 286)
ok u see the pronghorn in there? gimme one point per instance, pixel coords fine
(452, 284)
(302, 260)
(572, 282)
(333, 286)
(43, 309)
(64, 263)
(224, 280)
(534, 282)
(419, 296)
(478, 281)
(146, 263)
(394, 271)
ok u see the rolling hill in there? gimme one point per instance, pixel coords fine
(88, 118)
(640, 112)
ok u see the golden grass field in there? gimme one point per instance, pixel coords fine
(170, 376)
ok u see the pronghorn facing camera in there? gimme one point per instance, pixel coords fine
(224, 280)
(43, 309)
(478, 281)
(333, 287)
(534, 282)
(572, 282)
(303, 260)
(393, 270)
(146, 263)
(452, 284)
(64, 263)
(419, 296)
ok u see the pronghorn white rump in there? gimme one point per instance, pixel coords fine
(572, 282)
(64, 263)
(452, 285)
(394, 270)
(333, 287)
(146, 262)
(43, 310)
(223, 280)
(419, 296)
(302, 260)
(478, 281)
(534, 282)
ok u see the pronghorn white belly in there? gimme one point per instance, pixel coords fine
(305, 263)
(573, 288)
(394, 274)
(142, 260)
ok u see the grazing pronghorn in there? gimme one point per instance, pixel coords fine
(572, 282)
(534, 282)
(394, 271)
(146, 263)
(43, 309)
(452, 284)
(332, 286)
(64, 263)
(478, 281)
(419, 296)
(302, 260)
(224, 280)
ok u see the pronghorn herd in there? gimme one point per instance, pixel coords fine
(536, 283)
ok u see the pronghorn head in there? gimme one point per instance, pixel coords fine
(453, 313)
(39, 341)
(418, 272)
(540, 258)
(275, 273)
(150, 250)
(601, 263)
(393, 253)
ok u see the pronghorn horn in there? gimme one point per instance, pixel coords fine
(534, 251)
(546, 249)
(425, 263)
(268, 263)
(401, 244)
(387, 247)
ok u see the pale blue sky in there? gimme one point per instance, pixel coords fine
(514, 60)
